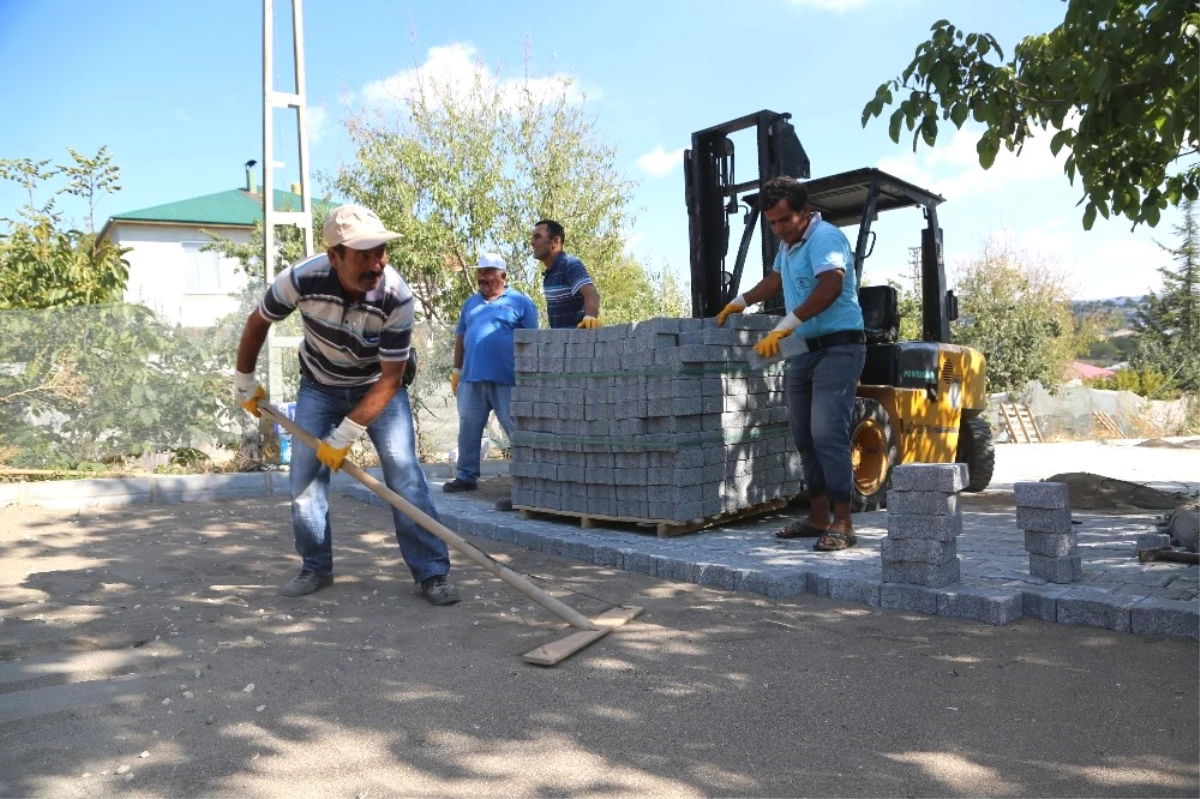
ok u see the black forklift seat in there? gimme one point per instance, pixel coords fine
(881, 313)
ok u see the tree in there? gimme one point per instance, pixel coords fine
(1015, 309)
(1117, 81)
(463, 168)
(1168, 324)
(44, 262)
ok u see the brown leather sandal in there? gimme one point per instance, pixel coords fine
(832, 540)
(800, 529)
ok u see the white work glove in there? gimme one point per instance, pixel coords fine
(247, 392)
(334, 448)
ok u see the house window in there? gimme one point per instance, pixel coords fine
(202, 269)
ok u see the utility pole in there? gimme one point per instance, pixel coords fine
(272, 217)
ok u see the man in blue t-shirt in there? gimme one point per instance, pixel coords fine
(571, 297)
(814, 267)
(484, 366)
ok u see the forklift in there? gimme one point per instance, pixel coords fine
(917, 401)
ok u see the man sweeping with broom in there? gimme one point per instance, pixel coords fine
(358, 319)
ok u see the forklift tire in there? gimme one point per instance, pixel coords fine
(976, 450)
(872, 455)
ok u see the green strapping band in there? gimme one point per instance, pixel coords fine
(749, 434)
(683, 371)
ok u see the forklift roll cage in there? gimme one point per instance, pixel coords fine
(856, 197)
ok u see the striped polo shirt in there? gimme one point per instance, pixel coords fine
(561, 284)
(344, 339)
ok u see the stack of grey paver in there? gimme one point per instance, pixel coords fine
(663, 420)
(924, 520)
(1044, 513)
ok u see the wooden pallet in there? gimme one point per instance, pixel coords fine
(1020, 424)
(662, 527)
(1106, 424)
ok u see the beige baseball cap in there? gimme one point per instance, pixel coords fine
(356, 227)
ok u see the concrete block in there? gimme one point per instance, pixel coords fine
(716, 575)
(932, 528)
(922, 503)
(943, 477)
(605, 555)
(1110, 611)
(1056, 570)
(1151, 541)
(853, 589)
(1165, 617)
(988, 605)
(1051, 545)
(902, 596)
(1042, 520)
(1040, 605)
(1050, 496)
(928, 574)
(633, 561)
(918, 550)
(71, 494)
(775, 583)
(675, 569)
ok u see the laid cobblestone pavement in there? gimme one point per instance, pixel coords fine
(1116, 591)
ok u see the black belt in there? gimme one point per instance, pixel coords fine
(834, 339)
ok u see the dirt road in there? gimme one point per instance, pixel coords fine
(365, 690)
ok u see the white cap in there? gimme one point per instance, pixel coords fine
(356, 227)
(490, 260)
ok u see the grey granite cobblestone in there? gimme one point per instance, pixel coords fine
(991, 559)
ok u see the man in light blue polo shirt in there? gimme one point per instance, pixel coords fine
(815, 269)
(484, 365)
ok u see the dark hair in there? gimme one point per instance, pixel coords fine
(556, 230)
(784, 187)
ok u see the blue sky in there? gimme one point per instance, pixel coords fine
(174, 90)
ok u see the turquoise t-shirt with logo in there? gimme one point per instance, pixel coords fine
(823, 247)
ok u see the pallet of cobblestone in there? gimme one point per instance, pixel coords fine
(924, 521)
(1044, 514)
(660, 422)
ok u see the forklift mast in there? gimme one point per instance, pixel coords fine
(713, 195)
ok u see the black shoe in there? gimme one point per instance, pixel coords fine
(439, 591)
(456, 485)
(306, 582)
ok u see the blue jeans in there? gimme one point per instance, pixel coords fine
(319, 409)
(475, 401)
(820, 397)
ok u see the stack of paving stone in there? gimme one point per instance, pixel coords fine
(924, 520)
(662, 420)
(1044, 513)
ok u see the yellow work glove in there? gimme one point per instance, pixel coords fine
(247, 392)
(737, 306)
(334, 448)
(455, 375)
(589, 323)
(768, 347)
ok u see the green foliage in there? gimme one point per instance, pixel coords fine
(86, 384)
(1117, 82)
(1145, 382)
(43, 261)
(463, 169)
(1015, 310)
(1168, 324)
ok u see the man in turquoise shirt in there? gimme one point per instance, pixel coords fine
(484, 365)
(815, 269)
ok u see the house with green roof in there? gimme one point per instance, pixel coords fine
(169, 272)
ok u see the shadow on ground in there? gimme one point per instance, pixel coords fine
(365, 690)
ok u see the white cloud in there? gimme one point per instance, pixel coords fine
(318, 123)
(659, 162)
(836, 6)
(951, 168)
(452, 71)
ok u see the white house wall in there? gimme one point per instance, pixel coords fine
(159, 272)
